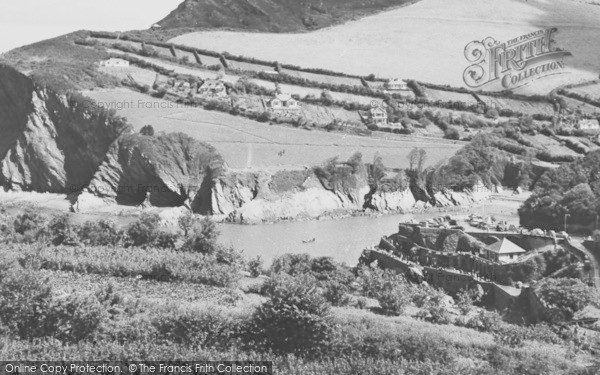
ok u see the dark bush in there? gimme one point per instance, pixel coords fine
(25, 303)
(31, 225)
(147, 130)
(296, 319)
(144, 231)
(202, 238)
(62, 231)
(76, 317)
(206, 328)
(100, 233)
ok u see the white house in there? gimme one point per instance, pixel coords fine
(588, 124)
(283, 102)
(503, 251)
(396, 84)
(114, 62)
(379, 116)
(213, 87)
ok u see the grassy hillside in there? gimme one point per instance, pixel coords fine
(272, 15)
(61, 64)
(97, 292)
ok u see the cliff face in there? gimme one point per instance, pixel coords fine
(163, 171)
(48, 143)
(249, 198)
(57, 143)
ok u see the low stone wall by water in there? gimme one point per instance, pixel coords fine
(496, 296)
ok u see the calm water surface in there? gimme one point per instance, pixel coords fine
(343, 239)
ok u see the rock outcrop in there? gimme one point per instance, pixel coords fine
(59, 143)
(165, 171)
(50, 142)
(247, 197)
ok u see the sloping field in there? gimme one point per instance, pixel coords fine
(593, 91)
(360, 99)
(210, 74)
(581, 106)
(184, 54)
(325, 115)
(179, 69)
(122, 43)
(246, 143)
(525, 107)
(323, 78)
(210, 60)
(163, 52)
(426, 40)
(251, 67)
(549, 144)
(450, 96)
(142, 76)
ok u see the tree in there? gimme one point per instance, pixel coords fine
(203, 238)
(417, 157)
(62, 231)
(451, 132)
(147, 130)
(465, 299)
(492, 113)
(566, 297)
(376, 170)
(145, 230)
(186, 222)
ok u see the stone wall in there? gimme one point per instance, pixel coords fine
(451, 282)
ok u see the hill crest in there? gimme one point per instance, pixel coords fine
(272, 15)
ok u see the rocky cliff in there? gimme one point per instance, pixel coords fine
(59, 143)
(49, 142)
(164, 171)
(251, 198)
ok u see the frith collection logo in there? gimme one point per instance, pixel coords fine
(514, 63)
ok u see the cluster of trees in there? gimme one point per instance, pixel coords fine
(342, 176)
(196, 234)
(482, 160)
(572, 189)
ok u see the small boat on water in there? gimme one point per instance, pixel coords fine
(310, 241)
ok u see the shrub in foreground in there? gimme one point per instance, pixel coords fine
(28, 309)
(296, 318)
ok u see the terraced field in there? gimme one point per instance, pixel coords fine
(450, 96)
(179, 69)
(251, 67)
(593, 91)
(325, 115)
(142, 76)
(249, 144)
(551, 145)
(520, 106)
(584, 108)
(322, 78)
(426, 40)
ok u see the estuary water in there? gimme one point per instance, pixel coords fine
(342, 239)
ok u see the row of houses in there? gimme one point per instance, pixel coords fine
(280, 104)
